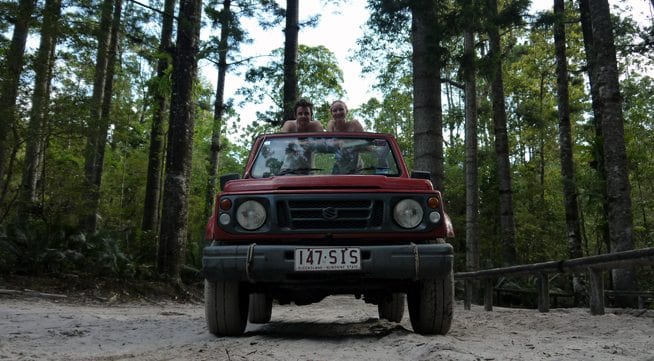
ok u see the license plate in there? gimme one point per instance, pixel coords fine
(327, 259)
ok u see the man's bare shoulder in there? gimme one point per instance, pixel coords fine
(289, 126)
(315, 126)
(355, 126)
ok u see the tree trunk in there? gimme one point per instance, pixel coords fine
(290, 59)
(93, 160)
(507, 222)
(565, 135)
(35, 138)
(219, 105)
(174, 217)
(151, 206)
(109, 84)
(566, 144)
(598, 147)
(427, 111)
(12, 67)
(618, 189)
(471, 146)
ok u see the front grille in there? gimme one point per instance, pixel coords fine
(338, 214)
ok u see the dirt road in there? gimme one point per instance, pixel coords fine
(339, 328)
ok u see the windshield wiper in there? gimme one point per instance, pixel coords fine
(378, 170)
(303, 171)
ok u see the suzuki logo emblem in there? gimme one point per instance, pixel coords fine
(329, 213)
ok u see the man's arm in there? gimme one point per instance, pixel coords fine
(355, 126)
(289, 126)
(315, 126)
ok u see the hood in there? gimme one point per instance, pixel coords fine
(341, 182)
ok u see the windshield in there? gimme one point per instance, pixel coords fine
(324, 155)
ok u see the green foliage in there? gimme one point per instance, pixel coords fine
(319, 80)
(639, 137)
(37, 248)
(394, 115)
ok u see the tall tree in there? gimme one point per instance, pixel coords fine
(160, 93)
(427, 107)
(565, 141)
(228, 43)
(618, 189)
(598, 148)
(10, 72)
(290, 58)
(97, 126)
(565, 132)
(319, 79)
(471, 147)
(507, 221)
(219, 104)
(40, 96)
(174, 217)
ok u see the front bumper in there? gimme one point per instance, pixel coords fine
(275, 263)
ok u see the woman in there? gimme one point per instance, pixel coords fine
(338, 123)
(347, 160)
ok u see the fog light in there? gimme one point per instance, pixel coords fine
(434, 217)
(224, 219)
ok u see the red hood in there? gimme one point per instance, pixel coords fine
(394, 184)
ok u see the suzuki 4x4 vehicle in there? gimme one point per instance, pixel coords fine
(319, 214)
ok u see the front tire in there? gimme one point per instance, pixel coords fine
(431, 305)
(225, 307)
(260, 308)
(392, 308)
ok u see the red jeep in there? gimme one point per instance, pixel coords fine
(319, 214)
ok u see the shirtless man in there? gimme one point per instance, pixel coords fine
(303, 121)
(338, 122)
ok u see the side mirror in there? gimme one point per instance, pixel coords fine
(420, 174)
(228, 177)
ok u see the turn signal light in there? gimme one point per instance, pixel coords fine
(225, 204)
(433, 202)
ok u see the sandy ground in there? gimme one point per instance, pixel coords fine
(339, 328)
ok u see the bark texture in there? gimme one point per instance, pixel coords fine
(507, 221)
(471, 146)
(97, 126)
(565, 135)
(427, 108)
(290, 58)
(618, 190)
(219, 105)
(35, 142)
(179, 155)
(151, 206)
(12, 67)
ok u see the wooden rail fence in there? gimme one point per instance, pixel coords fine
(594, 265)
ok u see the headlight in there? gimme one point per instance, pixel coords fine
(251, 215)
(408, 213)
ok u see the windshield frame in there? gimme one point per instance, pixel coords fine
(327, 149)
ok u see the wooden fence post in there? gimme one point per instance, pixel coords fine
(596, 292)
(488, 295)
(467, 298)
(543, 292)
